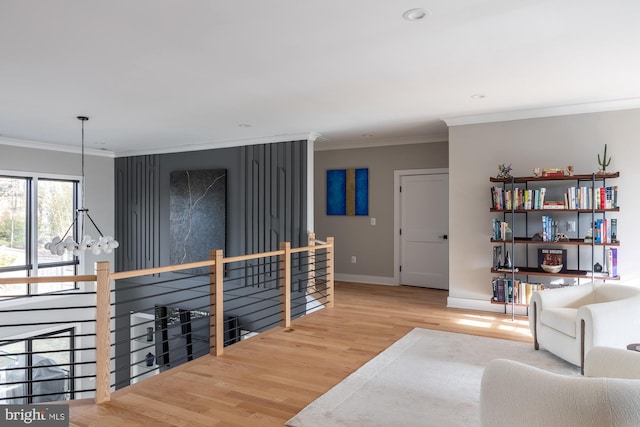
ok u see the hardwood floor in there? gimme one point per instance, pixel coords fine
(267, 379)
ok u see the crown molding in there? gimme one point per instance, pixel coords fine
(22, 143)
(534, 113)
(308, 136)
(326, 144)
(313, 136)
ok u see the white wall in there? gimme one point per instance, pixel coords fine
(474, 154)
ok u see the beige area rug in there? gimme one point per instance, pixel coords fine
(427, 378)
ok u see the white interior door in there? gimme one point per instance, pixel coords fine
(424, 228)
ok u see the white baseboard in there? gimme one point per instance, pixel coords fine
(482, 305)
(374, 280)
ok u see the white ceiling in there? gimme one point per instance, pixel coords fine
(169, 75)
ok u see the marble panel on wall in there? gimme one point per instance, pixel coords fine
(197, 214)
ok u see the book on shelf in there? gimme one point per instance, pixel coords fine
(570, 197)
(553, 204)
(501, 230)
(613, 237)
(549, 229)
(498, 289)
(526, 290)
(612, 262)
(549, 172)
(539, 197)
(585, 197)
(600, 233)
(502, 289)
(496, 197)
(518, 198)
(605, 230)
(552, 258)
(508, 290)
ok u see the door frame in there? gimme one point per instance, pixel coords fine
(397, 177)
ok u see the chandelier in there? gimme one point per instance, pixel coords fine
(58, 245)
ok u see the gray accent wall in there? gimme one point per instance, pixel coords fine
(266, 204)
(138, 212)
(273, 178)
(266, 200)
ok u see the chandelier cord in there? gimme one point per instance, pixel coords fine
(83, 119)
(82, 154)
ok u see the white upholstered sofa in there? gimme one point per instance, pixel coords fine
(515, 394)
(569, 321)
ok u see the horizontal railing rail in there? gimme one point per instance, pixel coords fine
(47, 344)
(136, 324)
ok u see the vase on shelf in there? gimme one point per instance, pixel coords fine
(507, 260)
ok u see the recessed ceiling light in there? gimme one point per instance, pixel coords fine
(244, 125)
(478, 96)
(416, 14)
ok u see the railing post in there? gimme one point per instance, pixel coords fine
(285, 285)
(330, 266)
(103, 332)
(216, 298)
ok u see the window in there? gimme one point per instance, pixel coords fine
(37, 369)
(33, 210)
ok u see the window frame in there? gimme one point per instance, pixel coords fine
(28, 353)
(32, 264)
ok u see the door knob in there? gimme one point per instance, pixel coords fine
(444, 236)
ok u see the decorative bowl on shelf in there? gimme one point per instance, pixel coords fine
(551, 268)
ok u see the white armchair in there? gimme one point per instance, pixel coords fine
(569, 322)
(513, 393)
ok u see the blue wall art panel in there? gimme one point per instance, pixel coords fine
(336, 192)
(348, 191)
(362, 192)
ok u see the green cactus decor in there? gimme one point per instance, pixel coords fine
(604, 162)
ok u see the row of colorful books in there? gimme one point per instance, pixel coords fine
(549, 229)
(587, 198)
(605, 230)
(574, 198)
(518, 198)
(506, 290)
